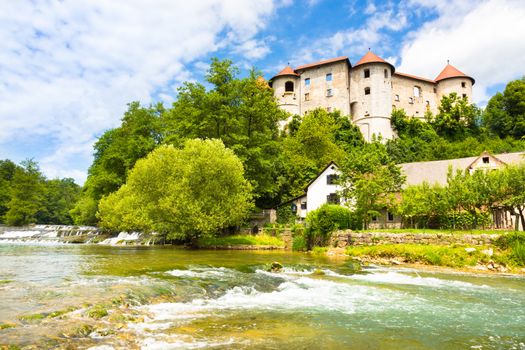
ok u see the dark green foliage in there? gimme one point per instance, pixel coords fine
(7, 172)
(285, 215)
(325, 220)
(456, 118)
(419, 141)
(242, 113)
(26, 195)
(505, 113)
(514, 241)
(371, 179)
(60, 196)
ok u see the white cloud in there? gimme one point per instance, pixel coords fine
(482, 39)
(67, 69)
(373, 34)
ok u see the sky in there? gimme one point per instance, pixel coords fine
(69, 68)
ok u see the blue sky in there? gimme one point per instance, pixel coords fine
(68, 68)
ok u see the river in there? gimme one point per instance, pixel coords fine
(168, 298)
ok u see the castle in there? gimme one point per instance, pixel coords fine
(368, 91)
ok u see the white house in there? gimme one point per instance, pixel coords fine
(322, 189)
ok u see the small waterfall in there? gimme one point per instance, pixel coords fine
(46, 234)
(122, 239)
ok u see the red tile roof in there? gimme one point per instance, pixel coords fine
(371, 57)
(451, 72)
(286, 71)
(415, 77)
(320, 63)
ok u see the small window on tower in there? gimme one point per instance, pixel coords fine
(435, 90)
(307, 96)
(464, 95)
(396, 98)
(288, 86)
(463, 84)
(410, 100)
(367, 91)
(329, 77)
(367, 73)
(329, 92)
(386, 73)
(307, 82)
(417, 91)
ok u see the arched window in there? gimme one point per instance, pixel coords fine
(288, 86)
(367, 91)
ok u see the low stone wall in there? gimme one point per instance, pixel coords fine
(347, 237)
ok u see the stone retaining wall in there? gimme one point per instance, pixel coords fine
(347, 237)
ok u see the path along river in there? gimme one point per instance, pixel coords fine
(164, 298)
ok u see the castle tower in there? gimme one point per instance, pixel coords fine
(453, 80)
(371, 96)
(286, 86)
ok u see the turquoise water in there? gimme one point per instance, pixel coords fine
(166, 298)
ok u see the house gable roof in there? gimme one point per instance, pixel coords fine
(321, 173)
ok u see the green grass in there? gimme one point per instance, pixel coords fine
(259, 240)
(437, 231)
(452, 256)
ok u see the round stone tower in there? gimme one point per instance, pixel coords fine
(453, 80)
(371, 96)
(286, 85)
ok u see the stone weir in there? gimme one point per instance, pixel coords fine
(48, 234)
(345, 238)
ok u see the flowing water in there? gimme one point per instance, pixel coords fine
(166, 298)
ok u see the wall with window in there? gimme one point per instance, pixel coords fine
(458, 85)
(371, 99)
(324, 188)
(286, 89)
(325, 86)
(385, 219)
(415, 96)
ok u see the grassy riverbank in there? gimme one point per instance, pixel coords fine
(436, 231)
(240, 240)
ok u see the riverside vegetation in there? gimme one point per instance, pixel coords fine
(232, 128)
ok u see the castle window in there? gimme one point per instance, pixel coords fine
(329, 77)
(386, 73)
(288, 86)
(367, 73)
(463, 84)
(396, 98)
(417, 91)
(486, 160)
(410, 100)
(307, 97)
(428, 103)
(464, 95)
(307, 82)
(329, 92)
(435, 90)
(367, 91)
(332, 198)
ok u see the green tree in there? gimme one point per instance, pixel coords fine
(116, 152)
(181, 193)
(505, 113)
(370, 180)
(60, 196)
(7, 172)
(457, 118)
(513, 190)
(26, 197)
(243, 113)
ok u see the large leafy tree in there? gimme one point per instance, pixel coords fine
(181, 193)
(505, 113)
(370, 180)
(26, 196)
(242, 113)
(60, 196)
(7, 172)
(457, 118)
(116, 152)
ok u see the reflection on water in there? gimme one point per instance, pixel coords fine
(160, 298)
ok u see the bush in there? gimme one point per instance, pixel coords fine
(325, 220)
(515, 242)
(285, 215)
